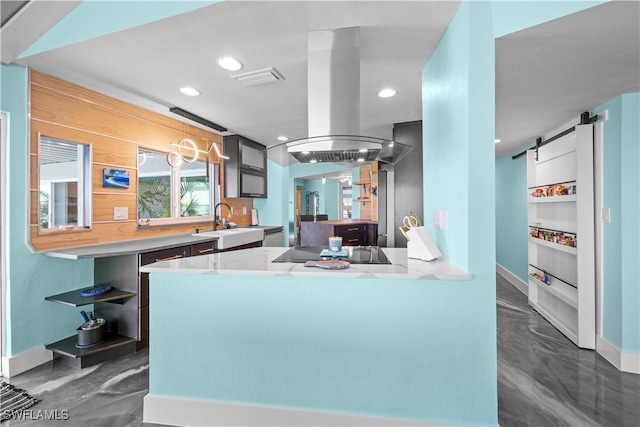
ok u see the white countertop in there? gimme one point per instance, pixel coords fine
(258, 262)
(128, 247)
(139, 245)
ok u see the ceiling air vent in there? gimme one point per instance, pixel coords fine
(258, 77)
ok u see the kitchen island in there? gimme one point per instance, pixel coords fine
(237, 339)
(260, 262)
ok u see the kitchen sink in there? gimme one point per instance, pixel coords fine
(233, 237)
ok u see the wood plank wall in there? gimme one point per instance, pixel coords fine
(115, 130)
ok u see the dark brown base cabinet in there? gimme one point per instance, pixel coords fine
(353, 233)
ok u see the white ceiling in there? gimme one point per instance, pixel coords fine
(545, 75)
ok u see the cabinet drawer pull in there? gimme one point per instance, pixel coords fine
(205, 251)
(354, 229)
(352, 240)
(169, 258)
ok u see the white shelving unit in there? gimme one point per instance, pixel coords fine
(553, 199)
(560, 212)
(554, 246)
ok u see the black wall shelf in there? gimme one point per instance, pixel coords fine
(74, 299)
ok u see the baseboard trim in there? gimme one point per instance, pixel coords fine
(195, 412)
(630, 362)
(521, 285)
(15, 365)
(624, 361)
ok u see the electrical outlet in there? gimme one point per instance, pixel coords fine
(606, 215)
(244, 211)
(120, 214)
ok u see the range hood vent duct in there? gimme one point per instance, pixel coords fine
(334, 104)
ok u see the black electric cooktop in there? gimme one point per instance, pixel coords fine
(357, 255)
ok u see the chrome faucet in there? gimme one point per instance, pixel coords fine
(216, 217)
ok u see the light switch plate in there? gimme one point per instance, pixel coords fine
(120, 214)
(440, 220)
(443, 220)
(244, 210)
(606, 215)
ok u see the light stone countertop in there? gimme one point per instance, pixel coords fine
(258, 262)
(129, 247)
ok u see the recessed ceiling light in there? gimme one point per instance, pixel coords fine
(387, 93)
(496, 141)
(229, 63)
(313, 161)
(363, 150)
(360, 159)
(190, 91)
(282, 138)
(306, 152)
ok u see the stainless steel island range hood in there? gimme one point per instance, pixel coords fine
(334, 104)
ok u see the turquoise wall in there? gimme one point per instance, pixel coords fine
(332, 197)
(95, 18)
(612, 233)
(292, 176)
(31, 321)
(273, 210)
(458, 116)
(410, 349)
(511, 216)
(458, 132)
(630, 209)
(355, 193)
(328, 195)
(296, 173)
(620, 247)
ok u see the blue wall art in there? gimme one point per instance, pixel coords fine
(115, 178)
